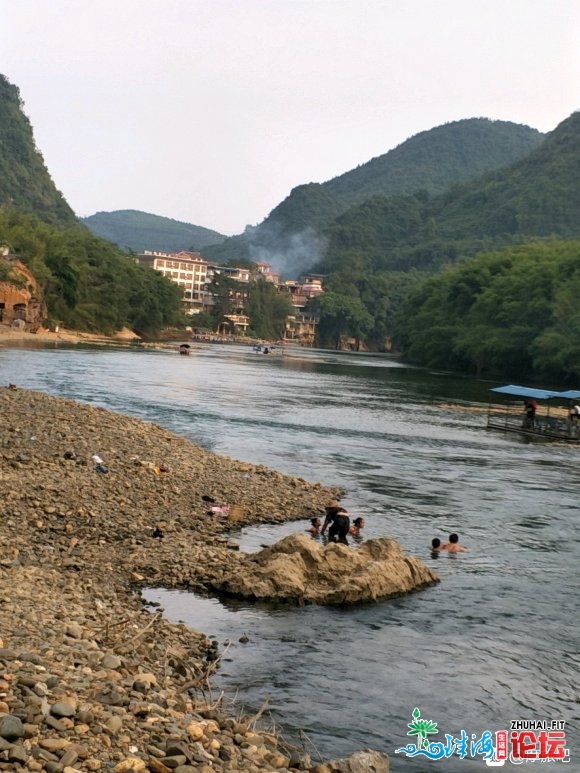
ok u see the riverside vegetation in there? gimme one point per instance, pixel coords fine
(89, 679)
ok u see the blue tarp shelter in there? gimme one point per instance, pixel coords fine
(522, 391)
(540, 425)
(571, 394)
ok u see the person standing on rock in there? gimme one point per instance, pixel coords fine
(339, 522)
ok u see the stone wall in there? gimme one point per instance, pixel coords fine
(20, 303)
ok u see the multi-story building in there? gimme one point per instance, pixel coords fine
(191, 272)
(237, 318)
(301, 326)
(265, 269)
(187, 269)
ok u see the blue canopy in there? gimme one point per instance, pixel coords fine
(522, 391)
(571, 394)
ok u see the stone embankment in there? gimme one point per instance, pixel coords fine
(89, 679)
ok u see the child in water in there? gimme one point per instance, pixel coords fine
(356, 527)
(315, 526)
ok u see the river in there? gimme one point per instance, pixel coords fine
(497, 640)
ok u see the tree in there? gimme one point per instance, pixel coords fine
(268, 309)
(340, 315)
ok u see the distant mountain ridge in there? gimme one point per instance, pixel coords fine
(430, 161)
(133, 230)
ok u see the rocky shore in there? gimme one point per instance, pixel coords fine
(90, 680)
(18, 336)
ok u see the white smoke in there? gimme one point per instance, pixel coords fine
(290, 254)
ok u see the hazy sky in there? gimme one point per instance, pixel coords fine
(211, 111)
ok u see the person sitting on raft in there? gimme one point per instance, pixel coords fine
(339, 522)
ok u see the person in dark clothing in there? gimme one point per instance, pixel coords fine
(338, 521)
(530, 411)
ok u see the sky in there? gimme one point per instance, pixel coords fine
(211, 111)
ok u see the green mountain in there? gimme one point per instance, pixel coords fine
(132, 230)
(483, 278)
(25, 183)
(86, 282)
(292, 235)
(537, 196)
(436, 159)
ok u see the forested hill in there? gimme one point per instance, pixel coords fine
(537, 196)
(85, 281)
(25, 183)
(138, 231)
(430, 161)
(436, 159)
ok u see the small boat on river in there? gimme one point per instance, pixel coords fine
(539, 413)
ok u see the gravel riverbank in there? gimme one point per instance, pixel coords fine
(89, 679)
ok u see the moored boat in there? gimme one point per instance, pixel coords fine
(541, 413)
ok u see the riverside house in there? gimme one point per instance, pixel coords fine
(187, 269)
(194, 275)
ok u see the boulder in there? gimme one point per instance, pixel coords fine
(365, 761)
(298, 569)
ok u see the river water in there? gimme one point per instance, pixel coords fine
(497, 640)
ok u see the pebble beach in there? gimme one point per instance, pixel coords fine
(91, 679)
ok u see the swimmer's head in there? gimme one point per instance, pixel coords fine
(454, 538)
(435, 542)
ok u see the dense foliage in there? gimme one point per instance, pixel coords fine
(86, 282)
(436, 159)
(25, 183)
(513, 312)
(537, 196)
(267, 309)
(342, 316)
(385, 247)
(132, 230)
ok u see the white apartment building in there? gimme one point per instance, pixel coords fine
(187, 269)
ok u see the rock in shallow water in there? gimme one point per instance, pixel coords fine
(299, 570)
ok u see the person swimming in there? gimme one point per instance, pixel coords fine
(435, 545)
(357, 526)
(453, 545)
(315, 526)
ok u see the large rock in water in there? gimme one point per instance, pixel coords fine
(298, 569)
(365, 761)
